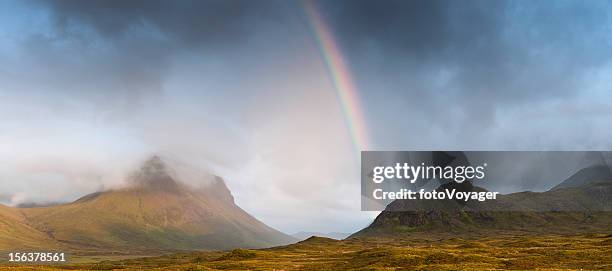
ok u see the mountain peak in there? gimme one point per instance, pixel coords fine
(155, 173)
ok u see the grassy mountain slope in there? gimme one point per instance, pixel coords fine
(155, 213)
(15, 231)
(573, 209)
(585, 176)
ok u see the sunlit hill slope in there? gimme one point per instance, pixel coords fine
(156, 212)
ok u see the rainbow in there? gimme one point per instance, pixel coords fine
(340, 75)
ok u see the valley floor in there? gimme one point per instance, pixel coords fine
(525, 252)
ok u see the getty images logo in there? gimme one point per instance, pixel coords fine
(405, 171)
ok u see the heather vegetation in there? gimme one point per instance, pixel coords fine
(492, 252)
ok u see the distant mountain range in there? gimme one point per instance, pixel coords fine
(581, 203)
(333, 235)
(155, 213)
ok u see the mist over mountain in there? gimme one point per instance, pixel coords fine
(154, 212)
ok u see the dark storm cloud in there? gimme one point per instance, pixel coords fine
(489, 44)
(185, 22)
(127, 48)
(455, 63)
(503, 51)
(460, 63)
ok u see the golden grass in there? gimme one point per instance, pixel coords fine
(525, 252)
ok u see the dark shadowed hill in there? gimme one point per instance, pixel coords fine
(585, 176)
(303, 235)
(582, 203)
(156, 212)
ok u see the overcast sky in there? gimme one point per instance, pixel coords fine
(88, 89)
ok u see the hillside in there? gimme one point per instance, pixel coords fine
(585, 176)
(155, 212)
(582, 203)
(16, 232)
